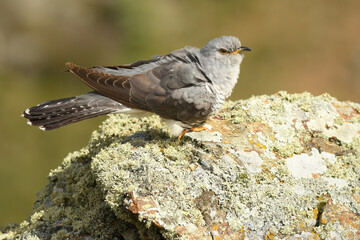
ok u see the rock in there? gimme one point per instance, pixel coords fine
(284, 166)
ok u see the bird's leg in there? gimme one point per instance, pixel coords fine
(182, 134)
(198, 129)
(194, 129)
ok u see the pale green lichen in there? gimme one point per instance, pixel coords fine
(284, 200)
(90, 193)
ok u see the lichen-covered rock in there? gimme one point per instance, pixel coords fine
(285, 166)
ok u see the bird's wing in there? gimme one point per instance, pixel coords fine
(174, 88)
(177, 90)
(131, 69)
(113, 86)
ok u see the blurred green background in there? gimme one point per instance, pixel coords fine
(297, 46)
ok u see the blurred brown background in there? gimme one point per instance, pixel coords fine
(297, 46)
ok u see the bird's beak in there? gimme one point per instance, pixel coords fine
(242, 48)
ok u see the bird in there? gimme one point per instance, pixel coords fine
(184, 87)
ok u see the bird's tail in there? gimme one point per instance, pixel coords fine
(58, 113)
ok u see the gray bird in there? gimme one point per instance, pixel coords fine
(183, 87)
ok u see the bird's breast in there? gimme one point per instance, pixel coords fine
(225, 82)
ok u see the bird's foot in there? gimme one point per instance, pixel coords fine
(194, 129)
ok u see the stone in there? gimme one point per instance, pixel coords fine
(284, 166)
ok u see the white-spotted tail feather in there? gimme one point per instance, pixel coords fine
(58, 113)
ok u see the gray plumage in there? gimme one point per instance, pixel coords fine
(183, 87)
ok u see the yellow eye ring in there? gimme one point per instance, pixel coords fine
(223, 51)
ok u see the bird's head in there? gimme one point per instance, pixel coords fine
(225, 49)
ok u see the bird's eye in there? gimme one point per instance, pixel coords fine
(223, 51)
